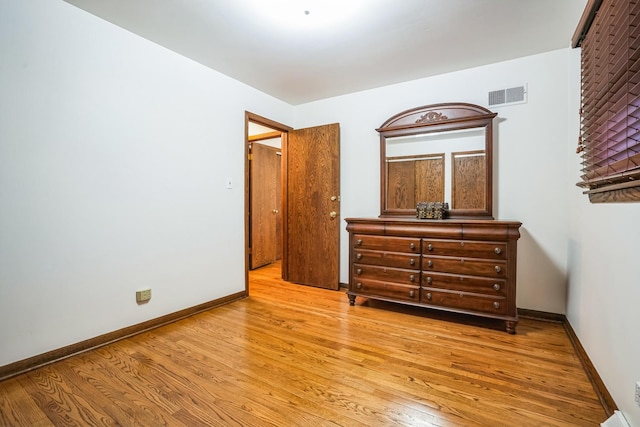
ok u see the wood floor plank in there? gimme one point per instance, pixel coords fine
(277, 377)
(209, 408)
(297, 353)
(56, 399)
(291, 355)
(17, 407)
(464, 362)
(448, 373)
(254, 394)
(124, 403)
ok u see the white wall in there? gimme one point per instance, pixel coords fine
(113, 158)
(604, 286)
(604, 293)
(530, 150)
(574, 258)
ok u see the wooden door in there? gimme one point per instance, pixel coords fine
(312, 207)
(265, 205)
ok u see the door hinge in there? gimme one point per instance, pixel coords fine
(250, 156)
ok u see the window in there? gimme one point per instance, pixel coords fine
(609, 35)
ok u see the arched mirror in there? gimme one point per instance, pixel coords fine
(437, 153)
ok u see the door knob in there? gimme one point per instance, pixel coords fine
(333, 214)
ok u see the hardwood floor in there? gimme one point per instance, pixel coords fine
(291, 355)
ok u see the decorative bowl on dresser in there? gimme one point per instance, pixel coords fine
(465, 263)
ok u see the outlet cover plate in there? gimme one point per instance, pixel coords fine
(143, 295)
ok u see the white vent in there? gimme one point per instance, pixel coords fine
(512, 95)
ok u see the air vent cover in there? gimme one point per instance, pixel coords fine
(513, 95)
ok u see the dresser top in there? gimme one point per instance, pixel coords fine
(412, 220)
(473, 229)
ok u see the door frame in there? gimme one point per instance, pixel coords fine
(284, 129)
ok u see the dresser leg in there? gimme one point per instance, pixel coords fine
(352, 300)
(511, 326)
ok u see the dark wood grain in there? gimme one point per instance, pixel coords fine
(467, 266)
(401, 185)
(615, 196)
(436, 119)
(429, 182)
(265, 207)
(301, 356)
(312, 217)
(468, 181)
(413, 179)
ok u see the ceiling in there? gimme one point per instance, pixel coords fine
(300, 57)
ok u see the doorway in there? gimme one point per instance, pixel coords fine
(264, 231)
(306, 219)
(265, 219)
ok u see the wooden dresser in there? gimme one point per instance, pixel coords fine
(464, 266)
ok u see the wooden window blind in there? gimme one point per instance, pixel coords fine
(609, 35)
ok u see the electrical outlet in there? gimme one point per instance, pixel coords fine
(638, 393)
(143, 295)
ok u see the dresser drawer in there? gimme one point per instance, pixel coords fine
(388, 259)
(472, 266)
(376, 288)
(384, 243)
(461, 283)
(457, 265)
(384, 274)
(464, 301)
(465, 248)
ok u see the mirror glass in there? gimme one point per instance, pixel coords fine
(444, 166)
(437, 161)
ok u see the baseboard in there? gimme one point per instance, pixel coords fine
(603, 394)
(601, 390)
(22, 366)
(541, 315)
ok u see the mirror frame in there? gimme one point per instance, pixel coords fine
(439, 118)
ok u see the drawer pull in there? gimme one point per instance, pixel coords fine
(498, 269)
(412, 293)
(498, 251)
(429, 295)
(430, 263)
(359, 271)
(496, 286)
(412, 278)
(359, 242)
(430, 247)
(496, 305)
(359, 285)
(412, 246)
(429, 280)
(359, 256)
(412, 261)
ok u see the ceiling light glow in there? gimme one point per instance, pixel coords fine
(300, 14)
